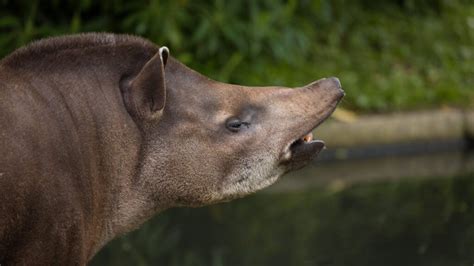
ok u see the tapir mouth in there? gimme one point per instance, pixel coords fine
(307, 139)
(304, 148)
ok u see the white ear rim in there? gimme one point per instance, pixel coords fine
(163, 49)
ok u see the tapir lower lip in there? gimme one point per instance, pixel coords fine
(300, 143)
(301, 152)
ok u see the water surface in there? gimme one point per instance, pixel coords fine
(416, 210)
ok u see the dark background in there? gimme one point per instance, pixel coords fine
(391, 56)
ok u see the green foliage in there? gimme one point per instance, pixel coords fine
(417, 223)
(390, 55)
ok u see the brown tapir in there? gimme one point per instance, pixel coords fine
(99, 132)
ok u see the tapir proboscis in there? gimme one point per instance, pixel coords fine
(99, 132)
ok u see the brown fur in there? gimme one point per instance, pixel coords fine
(99, 132)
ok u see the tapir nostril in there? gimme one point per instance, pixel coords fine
(340, 94)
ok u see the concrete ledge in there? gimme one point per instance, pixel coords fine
(469, 123)
(366, 130)
(338, 175)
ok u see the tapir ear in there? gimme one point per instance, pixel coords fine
(145, 96)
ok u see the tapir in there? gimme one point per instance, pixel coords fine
(99, 132)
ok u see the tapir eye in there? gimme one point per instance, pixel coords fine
(235, 125)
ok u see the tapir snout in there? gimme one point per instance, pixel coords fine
(313, 104)
(99, 132)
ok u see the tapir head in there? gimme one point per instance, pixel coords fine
(206, 141)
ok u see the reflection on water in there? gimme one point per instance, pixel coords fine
(386, 168)
(326, 214)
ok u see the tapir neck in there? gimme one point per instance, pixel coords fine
(80, 89)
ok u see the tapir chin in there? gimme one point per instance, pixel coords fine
(99, 132)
